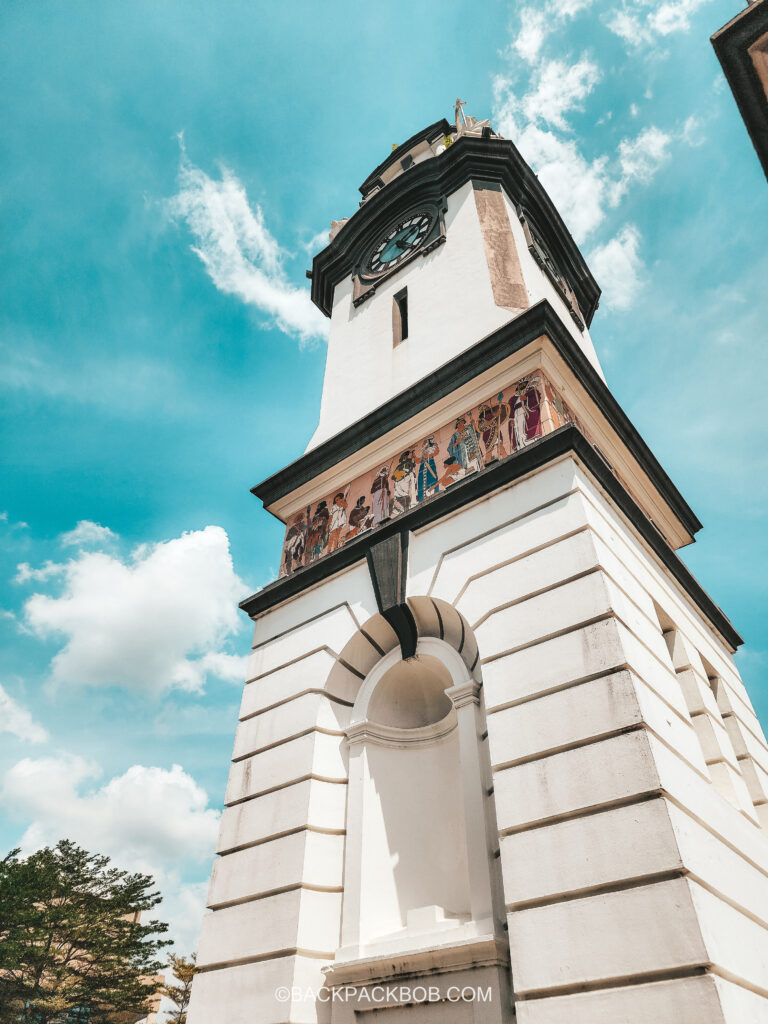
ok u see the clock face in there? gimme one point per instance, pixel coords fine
(399, 243)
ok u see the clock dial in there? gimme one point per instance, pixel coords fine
(399, 243)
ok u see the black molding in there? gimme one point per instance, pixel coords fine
(513, 336)
(400, 617)
(434, 131)
(365, 283)
(490, 159)
(731, 43)
(568, 439)
(388, 566)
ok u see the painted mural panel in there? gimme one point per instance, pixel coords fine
(496, 428)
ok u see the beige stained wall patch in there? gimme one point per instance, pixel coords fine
(500, 250)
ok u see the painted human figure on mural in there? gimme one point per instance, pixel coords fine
(464, 445)
(555, 402)
(491, 418)
(428, 468)
(452, 472)
(404, 483)
(317, 536)
(525, 423)
(338, 520)
(359, 518)
(380, 496)
(479, 437)
(295, 540)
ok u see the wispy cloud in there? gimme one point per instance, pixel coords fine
(534, 106)
(618, 267)
(316, 242)
(123, 385)
(639, 160)
(537, 23)
(559, 88)
(87, 534)
(18, 722)
(238, 251)
(49, 570)
(642, 22)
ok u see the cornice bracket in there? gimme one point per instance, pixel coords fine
(388, 565)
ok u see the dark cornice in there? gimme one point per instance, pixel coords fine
(513, 336)
(731, 43)
(566, 440)
(491, 159)
(438, 129)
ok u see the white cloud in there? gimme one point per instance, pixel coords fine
(47, 571)
(153, 621)
(674, 16)
(617, 266)
(581, 189)
(317, 242)
(184, 907)
(241, 256)
(642, 22)
(536, 23)
(692, 133)
(578, 187)
(145, 819)
(148, 819)
(533, 32)
(639, 159)
(569, 8)
(559, 88)
(532, 109)
(17, 721)
(87, 534)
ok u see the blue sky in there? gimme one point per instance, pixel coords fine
(165, 170)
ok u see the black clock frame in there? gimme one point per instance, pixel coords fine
(365, 280)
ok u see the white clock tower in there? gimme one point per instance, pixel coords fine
(494, 761)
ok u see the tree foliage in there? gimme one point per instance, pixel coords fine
(72, 946)
(183, 972)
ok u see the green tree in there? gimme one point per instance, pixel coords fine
(72, 946)
(183, 972)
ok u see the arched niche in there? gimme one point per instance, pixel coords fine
(419, 859)
(434, 618)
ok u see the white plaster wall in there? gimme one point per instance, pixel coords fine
(450, 308)
(682, 1001)
(414, 854)
(245, 994)
(589, 730)
(309, 805)
(539, 287)
(311, 859)
(620, 855)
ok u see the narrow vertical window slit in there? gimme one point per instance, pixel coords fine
(400, 317)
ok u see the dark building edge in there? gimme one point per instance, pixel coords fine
(437, 130)
(730, 44)
(491, 159)
(568, 439)
(513, 336)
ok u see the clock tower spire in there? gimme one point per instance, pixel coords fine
(494, 760)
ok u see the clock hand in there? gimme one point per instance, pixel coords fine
(403, 243)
